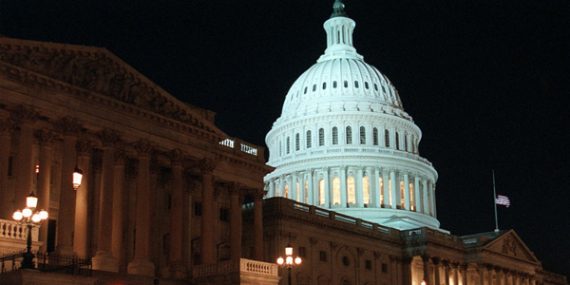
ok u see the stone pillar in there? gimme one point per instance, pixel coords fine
(359, 188)
(302, 188)
(104, 259)
(176, 267)
(433, 200)
(327, 189)
(6, 203)
(81, 235)
(406, 191)
(66, 214)
(45, 138)
(235, 222)
(417, 196)
(446, 272)
(258, 225)
(208, 246)
(343, 187)
(385, 180)
(377, 189)
(141, 264)
(395, 189)
(455, 274)
(119, 211)
(311, 189)
(24, 165)
(426, 197)
(437, 277)
(426, 261)
(406, 271)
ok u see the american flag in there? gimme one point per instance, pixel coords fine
(503, 200)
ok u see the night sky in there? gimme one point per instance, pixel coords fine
(487, 81)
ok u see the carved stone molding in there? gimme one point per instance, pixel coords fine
(45, 137)
(143, 147)
(176, 156)
(68, 126)
(6, 127)
(109, 138)
(120, 156)
(23, 114)
(207, 165)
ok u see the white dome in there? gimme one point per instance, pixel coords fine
(344, 142)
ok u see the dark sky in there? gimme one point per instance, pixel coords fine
(487, 81)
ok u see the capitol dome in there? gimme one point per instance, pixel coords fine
(344, 142)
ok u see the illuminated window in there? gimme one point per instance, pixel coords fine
(381, 191)
(402, 197)
(321, 137)
(348, 135)
(350, 191)
(306, 192)
(308, 139)
(336, 191)
(321, 191)
(288, 145)
(397, 141)
(412, 197)
(286, 191)
(387, 138)
(390, 192)
(365, 191)
(362, 135)
(375, 136)
(297, 142)
(335, 135)
(298, 192)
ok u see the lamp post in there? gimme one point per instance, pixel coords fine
(30, 217)
(289, 261)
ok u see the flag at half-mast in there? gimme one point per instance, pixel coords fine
(503, 200)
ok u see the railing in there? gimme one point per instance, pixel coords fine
(243, 147)
(48, 263)
(243, 266)
(258, 267)
(11, 261)
(12, 230)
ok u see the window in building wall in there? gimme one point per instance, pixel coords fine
(397, 141)
(375, 136)
(323, 256)
(314, 87)
(321, 137)
(387, 138)
(384, 268)
(406, 142)
(412, 197)
(286, 191)
(368, 264)
(298, 191)
(336, 191)
(381, 191)
(362, 135)
(348, 135)
(366, 85)
(345, 261)
(366, 191)
(197, 209)
(402, 197)
(355, 84)
(324, 85)
(321, 191)
(334, 135)
(308, 139)
(334, 84)
(306, 192)
(345, 84)
(350, 191)
(288, 146)
(297, 142)
(390, 194)
(305, 92)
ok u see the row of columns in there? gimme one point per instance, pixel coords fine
(73, 220)
(443, 272)
(419, 193)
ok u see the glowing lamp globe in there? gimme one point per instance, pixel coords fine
(280, 260)
(36, 218)
(17, 216)
(31, 201)
(298, 261)
(77, 177)
(27, 212)
(44, 214)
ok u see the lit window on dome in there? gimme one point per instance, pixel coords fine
(348, 135)
(324, 85)
(334, 84)
(350, 191)
(365, 191)
(336, 191)
(355, 84)
(402, 195)
(345, 84)
(366, 85)
(334, 136)
(375, 136)
(321, 192)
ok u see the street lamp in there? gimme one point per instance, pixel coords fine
(289, 261)
(77, 177)
(30, 217)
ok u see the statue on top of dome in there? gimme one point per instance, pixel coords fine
(338, 9)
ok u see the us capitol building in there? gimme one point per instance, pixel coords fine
(169, 198)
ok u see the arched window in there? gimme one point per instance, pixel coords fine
(335, 135)
(350, 191)
(324, 85)
(366, 84)
(321, 192)
(297, 142)
(348, 135)
(288, 145)
(406, 142)
(355, 84)
(308, 139)
(375, 136)
(366, 191)
(362, 135)
(345, 84)
(334, 84)
(321, 137)
(387, 138)
(390, 193)
(397, 141)
(336, 191)
(402, 193)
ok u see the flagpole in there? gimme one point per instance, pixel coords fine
(495, 202)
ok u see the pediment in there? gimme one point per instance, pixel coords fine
(98, 70)
(510, 244)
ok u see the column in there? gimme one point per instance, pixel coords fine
(455, 274)
(385, 180)
(406, 191)
(302, 188)
(343, 187)
(258, 225)
(311, 189)
(426, 196)
(417, 196)
(141, 264)
(446, 272)
(176, 267)
(235, 222)
(103, 259)
(293, 187)
(395, 189)
(437, 270)
(327, 189)
(81, 234)
(377, 190)
(24, 166)
(66, 214)
(208, 247)
(358, 185)
(426, 261)
(433, 200)
(6, 205)
(45, 139)
(119, 209)
(406, 271)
